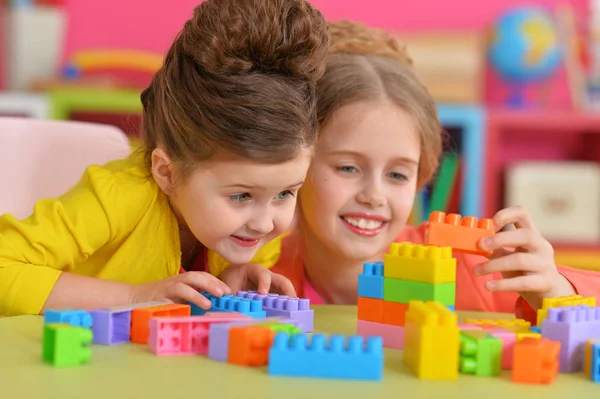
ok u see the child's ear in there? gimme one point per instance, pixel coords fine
(163, 170)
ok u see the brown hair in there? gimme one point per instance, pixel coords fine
(367, 64)
(239, 78)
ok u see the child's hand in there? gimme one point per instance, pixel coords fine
(181, 289)
(256, 277)
(528, 267)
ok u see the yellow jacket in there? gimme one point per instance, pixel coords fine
(115, 224)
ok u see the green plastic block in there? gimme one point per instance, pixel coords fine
(480, 353)
(403, 291)
(65, 345)
(283, 328)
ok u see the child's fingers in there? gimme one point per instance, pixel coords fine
(186, 293)
(516, 215)
(515, 262)
(262, 279)
(528, 239)
(282, 285)
(206, 282)
(527, 283)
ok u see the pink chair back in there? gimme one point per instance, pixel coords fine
(44, 159)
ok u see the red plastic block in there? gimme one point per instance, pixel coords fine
(462, 234)
(370, 309)
(183, 335)
(535, 361)
(140, 318)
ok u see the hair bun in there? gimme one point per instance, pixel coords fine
(355, 38)
(286, 37)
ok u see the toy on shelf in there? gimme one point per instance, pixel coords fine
(535, 361)
(431, 341)
(572, 326)
(89, 60)
(338, 357)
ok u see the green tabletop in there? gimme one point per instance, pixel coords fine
(131, 371)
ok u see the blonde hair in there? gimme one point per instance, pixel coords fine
(366, 64)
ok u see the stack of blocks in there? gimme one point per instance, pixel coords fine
(409, 272)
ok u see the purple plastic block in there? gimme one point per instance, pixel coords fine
(111, 327)
(572, 326)
(218, 335)
(281, 305)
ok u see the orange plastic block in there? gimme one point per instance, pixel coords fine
(394, 313)
(249, 346)
(140, 319)
(535, 361)
(462, 234)
(370, 309)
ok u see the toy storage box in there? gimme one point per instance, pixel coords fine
(563, 198)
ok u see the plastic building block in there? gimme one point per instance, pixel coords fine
(111, 327)
(284, 306)
(468, 326)
(74, 317)
(451, 308)
(340, 358)
(592, 359)
(138, 306)
(65, 345)
(249, 346)
(480, 353)
(393, 336)
(218, 341)
(370, 281)
(431, 341)
(394, 313)
(522, 325)
(535, 361)
(572, 327)
(561, 302)
(182, 335)
(404, 291)
(508, 344)
(370, 309)
(536, 329)
(140, 318)
(462, 234)
(232, 303)
(423, 263)
(528, 334)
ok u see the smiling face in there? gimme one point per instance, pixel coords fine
(361, 185)
(234, 206)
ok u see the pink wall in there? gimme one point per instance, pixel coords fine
(151, 24)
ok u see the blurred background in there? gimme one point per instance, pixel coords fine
(517, 85)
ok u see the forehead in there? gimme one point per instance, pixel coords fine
(381, 127)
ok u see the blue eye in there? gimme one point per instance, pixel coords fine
(397, 176)
(346, 169)
(282, 196)
(244, 197)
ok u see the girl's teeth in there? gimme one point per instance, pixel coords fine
(365, 224)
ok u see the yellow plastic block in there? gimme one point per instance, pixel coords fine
(422, 263)
(431, 341)
(561, 302)
(529, 334)
(587, 362)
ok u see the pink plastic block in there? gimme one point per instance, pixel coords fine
(393, 336)
(182, 335)
(468, 326)
(508, 345)
(230, 315)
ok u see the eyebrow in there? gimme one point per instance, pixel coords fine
(250, 187)
(357, 154)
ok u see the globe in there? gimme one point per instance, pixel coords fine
(524, 45)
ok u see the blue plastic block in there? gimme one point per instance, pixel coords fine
(535, 329)
(451, 307)
(370, 282)
(295, 357)
(231, 303)
(74, 317)
(595, 369)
